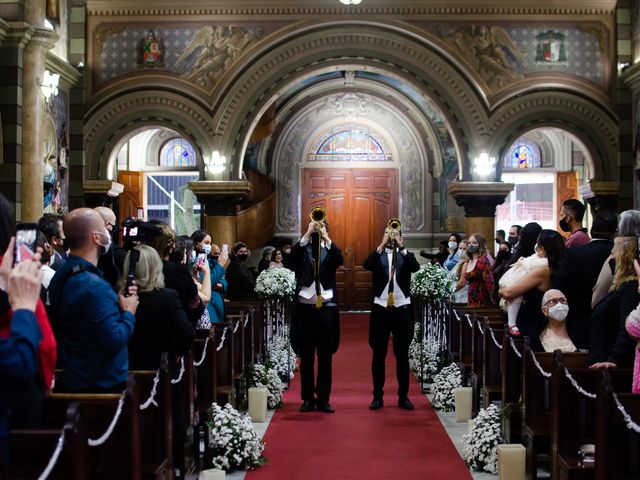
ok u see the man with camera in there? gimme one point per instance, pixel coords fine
(96, 324)
(392, 265)
(315, 324)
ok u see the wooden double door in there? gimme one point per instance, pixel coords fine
(359, 203)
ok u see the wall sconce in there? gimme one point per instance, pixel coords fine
(49, 84)
(484, 165)
(216, 164)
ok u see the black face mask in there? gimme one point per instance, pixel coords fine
(498, 241)
(512, 240)
(471, 249)
(242, 257)
(564, 225)
(502, 255)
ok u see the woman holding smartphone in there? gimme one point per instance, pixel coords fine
(211, 253)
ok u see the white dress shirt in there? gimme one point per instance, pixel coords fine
(308, 294)
(399, 300)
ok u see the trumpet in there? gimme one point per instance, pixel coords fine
(318, 215)
(393, 228)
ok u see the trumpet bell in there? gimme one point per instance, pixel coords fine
(394, 224)
(318, 214)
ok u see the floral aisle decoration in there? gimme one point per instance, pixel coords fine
(233, 442)
(266, 377)
(432, 282)
(276, 283)
(480, 445)
(442, 389)
(424, 356)
(281, 356)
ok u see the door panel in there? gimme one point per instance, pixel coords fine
(133, 195)
(358, 203)
(566, 188)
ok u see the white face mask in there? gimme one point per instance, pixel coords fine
(559, 311)
(207, 248)
(105, 246)
(453, 245)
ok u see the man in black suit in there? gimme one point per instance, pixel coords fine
(391, 314)
(315, 324)
(578, 273)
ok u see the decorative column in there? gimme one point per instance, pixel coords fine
(479, 200)
(220, 203)
(32, 113)
(601, 195)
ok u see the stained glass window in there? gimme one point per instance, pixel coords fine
(177, 152)
(349, 144)
(523, 154)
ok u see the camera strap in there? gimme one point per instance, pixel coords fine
(55, 302)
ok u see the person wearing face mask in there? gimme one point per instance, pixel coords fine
(534, 283)
(111, 263)
(202, 244)
(96, 323)
(514, 274)
(240, 279)
(571, 215)
(454, 254)
(553, 335)
(477, 274)
(461, 295)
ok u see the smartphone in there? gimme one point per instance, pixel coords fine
(201, 258)
(225, 250)
(25, 248)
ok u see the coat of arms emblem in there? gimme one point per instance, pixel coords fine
(151, 52)
(550, 48)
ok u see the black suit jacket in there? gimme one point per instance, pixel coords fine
(378, 264)
(240, 282)
(577, 274)
(301, 262)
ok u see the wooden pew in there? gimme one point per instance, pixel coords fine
(120, 455)
(184, 399)
(617, 447)
(453, 331)
(239, 378)
(225, 371)
(511, 366)
(536, 407)
(254, 336)
(492, 362)
(31, 450)
(466, 350)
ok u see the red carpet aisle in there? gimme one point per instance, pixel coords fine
(354, 442)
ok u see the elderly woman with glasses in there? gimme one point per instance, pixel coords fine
(553, 335)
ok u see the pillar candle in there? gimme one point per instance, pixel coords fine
(511, 462)
(213, 474)
(258, 404)
(463, 401)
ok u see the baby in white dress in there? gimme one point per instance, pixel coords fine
(516, 272)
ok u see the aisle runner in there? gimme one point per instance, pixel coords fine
(356, 443)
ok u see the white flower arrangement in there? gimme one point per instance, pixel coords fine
(276, 283)
(423, 357)
(268, 378)
(233, 442)
(281, 356)
(432, 282)
(442, 389)
(480, 445)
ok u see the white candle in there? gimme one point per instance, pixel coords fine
(258, 404)
(511, 461)
(463, 401)
(213, 474)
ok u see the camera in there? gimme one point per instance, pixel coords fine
(135, 232)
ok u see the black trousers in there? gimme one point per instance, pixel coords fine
(316, 335)
(399, 323)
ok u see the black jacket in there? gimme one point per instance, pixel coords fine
(178, 277)
(576, 275)
(378, 263)
(301, 261)
(240, 282)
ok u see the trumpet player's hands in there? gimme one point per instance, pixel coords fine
(384, 243)
(325, 235)
(399, 242)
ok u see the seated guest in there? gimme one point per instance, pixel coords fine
(18, 350)
(610, 345)
(239, 277)
(571, 215)
(531, 287)
(161, 323)
(477, 273)
(462, 289)
(276, 259)
(96, 323)
(553, 335)
(264, 262)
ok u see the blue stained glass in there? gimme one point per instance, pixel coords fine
(177, 152)
(349, 144)
(523, 154)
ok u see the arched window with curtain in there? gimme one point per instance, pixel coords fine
(177, 153)
(349, 144)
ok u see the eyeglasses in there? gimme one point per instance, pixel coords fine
(555, 301)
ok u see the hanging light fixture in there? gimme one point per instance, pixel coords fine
(350, 2)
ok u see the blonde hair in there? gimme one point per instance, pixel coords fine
(482, 244)
(624, 252)
(461, 261)
(149, 276)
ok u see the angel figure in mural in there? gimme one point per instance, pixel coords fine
(50, 185)
(490, 51)
(212, 51)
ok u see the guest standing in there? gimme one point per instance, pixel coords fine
(477, 274)
(571, 215)
(240, 279)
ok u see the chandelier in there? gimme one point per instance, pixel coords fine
(350, 2)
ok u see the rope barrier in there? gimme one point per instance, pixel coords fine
(537, 364)
(105, 436)
(204, 354)
(235, 329)
(469, 320)
(246, 320)
(479, 325)
(631, 425)
(455, 312)
(224, 337)
(515, 349)
(493, 337)
(576, 386)
(54, 458)
(179, 379)
(152, 397)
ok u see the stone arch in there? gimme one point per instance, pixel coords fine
(107, 127)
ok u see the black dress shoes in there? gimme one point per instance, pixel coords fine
(324, 407)
(307, 406)
(405, 404)
(376, 404)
